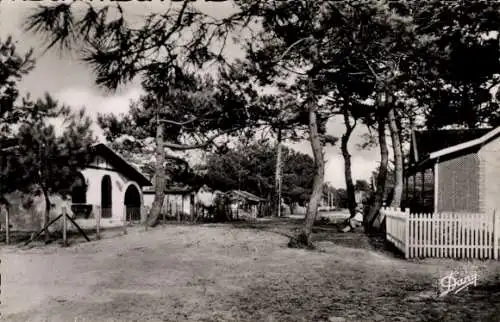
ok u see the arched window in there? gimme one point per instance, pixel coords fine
(106, 197)
(79, 190)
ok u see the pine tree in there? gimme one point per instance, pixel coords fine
(43, 161)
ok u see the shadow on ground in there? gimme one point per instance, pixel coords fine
(322, 232)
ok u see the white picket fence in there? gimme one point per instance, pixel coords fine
(455, 235)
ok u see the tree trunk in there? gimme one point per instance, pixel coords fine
(398, 160)
(351, 198)
(303, 239)
(370, 220)
(160, 179)
(42, 154)
(277, 183)
(46, 215)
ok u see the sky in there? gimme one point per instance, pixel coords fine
(71, 82)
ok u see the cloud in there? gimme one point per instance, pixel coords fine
(95, 103)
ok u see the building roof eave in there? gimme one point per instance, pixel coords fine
(424, 164)
(466, 145)
(141, 179)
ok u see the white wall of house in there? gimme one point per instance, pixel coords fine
(119, 185)
(31, 217)
(489, 155)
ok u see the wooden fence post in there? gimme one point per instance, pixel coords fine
(98, 223)
(177, 211)
(387, 225)
(145, 218)
(407, 233)
(65, 226)
(495, 235)
(7, 225)
(125, 220)
(182, 208)
(163, 214)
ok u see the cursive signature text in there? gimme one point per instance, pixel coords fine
(451, 283)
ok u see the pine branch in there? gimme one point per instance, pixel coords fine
(289, 48)
(208, 141)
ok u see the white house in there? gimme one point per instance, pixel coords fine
(454, 171)
(109, 185)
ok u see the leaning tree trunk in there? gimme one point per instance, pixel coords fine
(303, 240)
(370, 220)
(398, 159)
(351, 199)
(160, 179)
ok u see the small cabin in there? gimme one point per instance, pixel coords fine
(453, 171)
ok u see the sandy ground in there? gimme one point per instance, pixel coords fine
(234, 273)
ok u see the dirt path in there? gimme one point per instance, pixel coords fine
(193, 273)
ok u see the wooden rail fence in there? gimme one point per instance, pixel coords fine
(454, 235)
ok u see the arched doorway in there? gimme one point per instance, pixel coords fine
(132, 203)
(106, 197)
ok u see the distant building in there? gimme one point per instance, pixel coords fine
(245, 202)
(360, 196)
